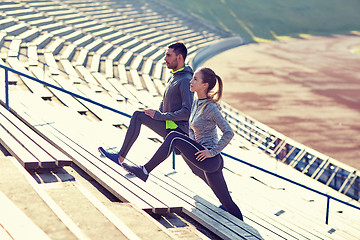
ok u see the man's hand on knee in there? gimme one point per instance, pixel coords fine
(150, 112)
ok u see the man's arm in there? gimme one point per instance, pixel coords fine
(183, 113)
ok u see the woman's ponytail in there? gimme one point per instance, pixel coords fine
(209, 76)
(220, 89)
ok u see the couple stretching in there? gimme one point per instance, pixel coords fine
(198, 145)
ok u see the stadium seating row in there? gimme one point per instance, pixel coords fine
(27, 146)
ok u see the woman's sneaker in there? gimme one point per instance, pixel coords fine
(222, 207)
(137, 171)
(112, 156)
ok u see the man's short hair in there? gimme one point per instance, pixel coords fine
(179, 48)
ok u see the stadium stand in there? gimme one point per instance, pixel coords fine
(112, 52)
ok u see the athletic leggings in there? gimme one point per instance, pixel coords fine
(210, 169)
(137, 119)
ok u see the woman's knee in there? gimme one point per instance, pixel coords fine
(176, 140)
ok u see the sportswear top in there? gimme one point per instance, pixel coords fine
(205, 117)
(177, 100)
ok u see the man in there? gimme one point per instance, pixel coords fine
(175, 108)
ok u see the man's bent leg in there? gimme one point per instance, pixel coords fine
(137, 119)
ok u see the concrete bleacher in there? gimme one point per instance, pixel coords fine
(34, 87)
(31, 150)
(42, 40)
(51, 62)
(113, 54)
(32, 55)
(56, 46)
(29, 35)
(95, 63)
(14, 47)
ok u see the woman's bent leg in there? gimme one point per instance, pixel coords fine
(187, 146)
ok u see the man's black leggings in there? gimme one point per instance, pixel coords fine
(133, 131)
(210, 169)
(137, 119)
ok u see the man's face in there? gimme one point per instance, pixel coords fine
(172, 61)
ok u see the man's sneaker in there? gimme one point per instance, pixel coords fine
(137, 171)
(112, 156)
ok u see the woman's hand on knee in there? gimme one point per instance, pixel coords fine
(203, 154)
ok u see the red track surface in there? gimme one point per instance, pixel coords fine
(306, 89)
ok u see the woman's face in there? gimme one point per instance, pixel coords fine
(196, 84)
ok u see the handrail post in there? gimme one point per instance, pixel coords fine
(173, 157)
(7, 89)
(327, 209)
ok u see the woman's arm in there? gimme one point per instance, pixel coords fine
(224, 126)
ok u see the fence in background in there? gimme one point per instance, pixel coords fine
(320, 167)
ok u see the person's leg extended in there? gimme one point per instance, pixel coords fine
(137, 119)
(217, 183)
(211, 167)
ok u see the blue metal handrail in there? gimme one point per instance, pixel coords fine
(296, 183)
(52, 86)
(7, 69)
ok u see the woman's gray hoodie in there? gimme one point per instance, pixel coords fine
(177, 100)
(204, 121)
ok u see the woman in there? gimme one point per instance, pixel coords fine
(201, 149)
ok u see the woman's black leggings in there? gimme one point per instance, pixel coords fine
(210, 169)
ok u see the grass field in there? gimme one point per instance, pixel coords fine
(259, 20)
